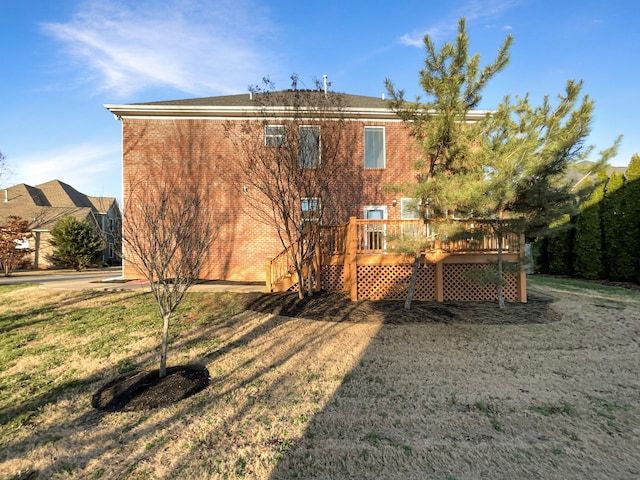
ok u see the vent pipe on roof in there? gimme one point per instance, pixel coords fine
(250, 95)
(324, 81)
(383, 96)
(6, 195)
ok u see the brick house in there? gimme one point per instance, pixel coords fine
(380, 150)
(43, 205)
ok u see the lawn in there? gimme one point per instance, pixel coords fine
(550, 389)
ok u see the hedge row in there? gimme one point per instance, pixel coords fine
(603, 240)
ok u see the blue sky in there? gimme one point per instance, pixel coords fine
(64, 59)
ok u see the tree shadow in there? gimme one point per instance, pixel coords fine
(358, 433)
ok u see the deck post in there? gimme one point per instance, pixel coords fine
(350, 257)
(268, 276)
(317, 266)
(439, 281)
(522, 275)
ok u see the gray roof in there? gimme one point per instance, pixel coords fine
(285, 97)
(259, 105)
(44, 204)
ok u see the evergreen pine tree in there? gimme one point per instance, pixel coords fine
(453, 81)
(520, 181)
(76, 244)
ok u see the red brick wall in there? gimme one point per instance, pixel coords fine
(243, 244)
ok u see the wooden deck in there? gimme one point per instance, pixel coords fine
(361, 258)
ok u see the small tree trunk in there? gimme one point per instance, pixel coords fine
(412, 282)
(500, 275)
(164, 346)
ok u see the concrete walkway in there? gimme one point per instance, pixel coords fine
(111, 279)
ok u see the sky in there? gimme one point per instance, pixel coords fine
(63, 60)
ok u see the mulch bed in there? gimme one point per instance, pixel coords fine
(337, 307)
(146, 390)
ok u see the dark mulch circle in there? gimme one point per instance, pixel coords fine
(146, 390)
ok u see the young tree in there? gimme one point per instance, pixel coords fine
(507, 169)
(13, 233)
(170, 219)
(453, 81)
(76, 244)
(292, 152)
(521, 183)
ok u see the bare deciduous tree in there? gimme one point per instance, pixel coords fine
(13, 234)
(169, 223)
(292, 152)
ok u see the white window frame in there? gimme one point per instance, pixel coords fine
(410, 231)
(403, 208)
(316, 161)
(274, 135)
(317, 202)
(374, 229)
(372, 128)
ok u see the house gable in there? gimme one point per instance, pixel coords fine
(43, 205)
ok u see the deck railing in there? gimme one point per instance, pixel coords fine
(381, 236)
(345, 252)
(279, 267)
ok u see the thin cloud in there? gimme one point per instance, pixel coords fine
(473, 11)
(78, 161)
(192, 45)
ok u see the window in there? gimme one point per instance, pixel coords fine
(309, 146)
(310, 209)
(374, 147)
(274, 135)
(409, 208)
(375, 232)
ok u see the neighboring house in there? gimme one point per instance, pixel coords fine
(382, 152)
(43, 205)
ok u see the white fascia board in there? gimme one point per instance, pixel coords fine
(177, 111)
(228, 113)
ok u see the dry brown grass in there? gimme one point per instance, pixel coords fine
(310, 398)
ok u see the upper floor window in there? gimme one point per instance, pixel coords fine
(274, 135)
(309, 146)
(374, 147)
